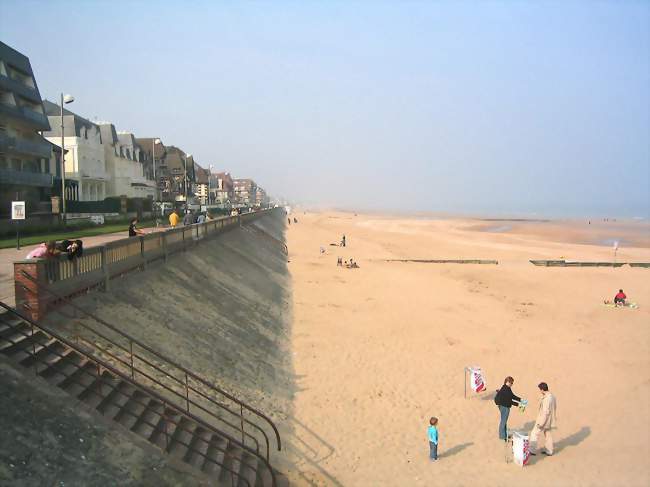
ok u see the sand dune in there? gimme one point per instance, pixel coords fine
(377, 350)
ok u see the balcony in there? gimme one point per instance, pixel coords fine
(7, 176)
(22, 146)
(35, 119)
(19, 88)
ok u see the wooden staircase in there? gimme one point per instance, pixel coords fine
(136, 407)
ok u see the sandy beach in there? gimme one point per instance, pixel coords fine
(379, 349)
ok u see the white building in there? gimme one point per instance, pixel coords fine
(125, 165)
(85, 158)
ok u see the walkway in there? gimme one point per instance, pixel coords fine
(9, 256)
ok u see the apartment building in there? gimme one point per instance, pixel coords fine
(125, 166)
(152, 150)
(261, 199)
(202, 184)
(25, 156)
(245, 191)
(85, 160)
(224, 190)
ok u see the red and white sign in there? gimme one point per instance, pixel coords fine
(476, 379)
(520, 448)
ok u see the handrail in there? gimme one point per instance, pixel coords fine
(189, 373)
(136, 384)
(165, 417)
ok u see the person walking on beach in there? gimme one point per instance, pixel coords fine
(173, 219)
(432, 435)
(289, 220)
(505, 399)
(343, 241)
(546, 419)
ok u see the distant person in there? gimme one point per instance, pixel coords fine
(545, 421)
(505, 399)
(619, 299)
(208, 216)
(188, 219)
(134, 231)
(295, 220)
(200, 218)
(173, 219)
(289, 221)
(343, 241)
(339, 262)
(322, 249)
(432, 435)
(45, 250)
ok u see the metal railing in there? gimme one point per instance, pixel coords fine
(149, 365)
(102, 263)
(167, 405)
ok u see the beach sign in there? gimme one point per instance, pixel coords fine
(476, 380)
(520, 448)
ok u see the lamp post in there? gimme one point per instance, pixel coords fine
(64, 100)
(153, 157)
(187, 156)
(209, 183)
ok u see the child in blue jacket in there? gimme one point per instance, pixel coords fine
(432, 433)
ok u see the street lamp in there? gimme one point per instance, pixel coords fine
(153, 157)
(187, 156)
(209, 183)
(65, 99)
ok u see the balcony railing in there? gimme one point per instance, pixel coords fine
(7, 176)
(28, 147)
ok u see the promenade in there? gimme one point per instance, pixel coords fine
(9, 256)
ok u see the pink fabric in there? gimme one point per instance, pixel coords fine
(38, 253)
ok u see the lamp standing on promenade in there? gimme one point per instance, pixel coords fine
(187, 156)
(153, 157)
(64, 99)
(209, 185)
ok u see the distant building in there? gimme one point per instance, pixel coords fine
(25, 156)
(261, 199)
(180, 167)
(201, 184)
(147, 145)
(245, 191)
(224, 190)
(125, 165)
(85, 160)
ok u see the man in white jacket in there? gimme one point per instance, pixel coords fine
(546, 419)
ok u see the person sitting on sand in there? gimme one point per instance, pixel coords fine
(619, 299)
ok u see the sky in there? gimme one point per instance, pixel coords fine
(486, 107)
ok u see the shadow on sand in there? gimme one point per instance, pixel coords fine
(455, 449)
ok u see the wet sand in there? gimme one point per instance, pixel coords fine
(379, 349)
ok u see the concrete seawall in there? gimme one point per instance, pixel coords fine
(221, 309)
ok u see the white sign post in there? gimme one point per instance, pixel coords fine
(17, 213)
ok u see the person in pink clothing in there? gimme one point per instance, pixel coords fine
(43, 251)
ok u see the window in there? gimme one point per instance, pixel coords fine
(15, 164)
(3, 162)
(31, 165)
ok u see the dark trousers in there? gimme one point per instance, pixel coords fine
(433, 451)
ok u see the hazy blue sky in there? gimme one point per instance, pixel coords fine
(495, 107)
